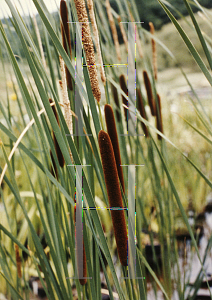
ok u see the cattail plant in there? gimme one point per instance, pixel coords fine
(96, 37)
(88, 46)
(150, 97)
(154, 53)
(159, 122)
(111, 129)
(18, 260)
(57, 148)
(124, 36)
(113, 29)
(123, 85)
(66, 38)
(114, 194)
(142, 111)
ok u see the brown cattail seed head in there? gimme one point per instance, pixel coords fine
(18, 260)
(154, 53)
(114, 194)
(149, 93)
(66, 37)
(57, 148)
(88, 46)
(123, 85)
(159, 121)
(142, 111)
(111, 129)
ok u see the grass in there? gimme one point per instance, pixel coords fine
(38, 196)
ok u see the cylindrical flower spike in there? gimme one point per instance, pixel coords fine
(142, 111)
(114, 194)
(154, 53)
(18, 260)
(150, 97)
(57, 148)
(111, 129)
(159, 121)
(88, 46)
(96, 36)
(66, 38)
(123, 85)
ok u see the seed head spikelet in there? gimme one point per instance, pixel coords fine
(114, 194)
(96, 37)
(154, 53)
(88, 46)
(150, 97)
(123, 85)
(159, 121)
(66, 40)
(142, 111)
(111, 129)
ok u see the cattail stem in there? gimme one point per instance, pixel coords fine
(81, 280)
(18, 260)
(113, 29)
(111, 129)
(66, 40)
(88, 46)
(149, 93)
(138, 41)
(142, 111)
(154, 53)
(123, 85)
(114, 194)
(159, 122)
(96, 37)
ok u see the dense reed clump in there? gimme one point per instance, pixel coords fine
(114, 194)
(159, 121)
(66, 40)
(56, 145)
(111, 129)
(154, 53)
(88, 46)
(150, 97)
(142, 111)
(123, 85)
